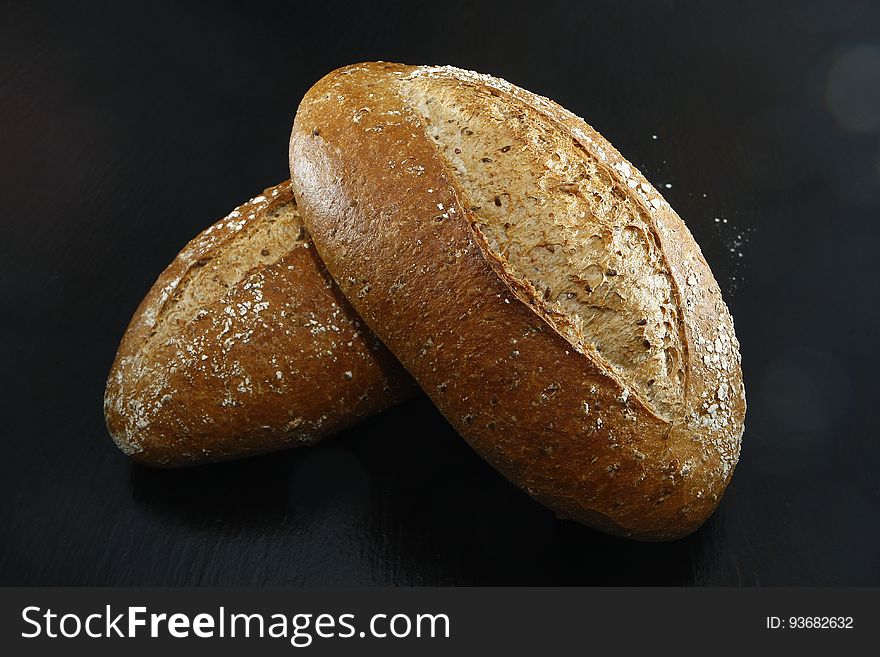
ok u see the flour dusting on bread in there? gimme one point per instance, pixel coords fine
(245, 345)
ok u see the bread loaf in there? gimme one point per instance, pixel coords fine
(244, 345)
(539, 289)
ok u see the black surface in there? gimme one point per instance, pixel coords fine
(128, 127)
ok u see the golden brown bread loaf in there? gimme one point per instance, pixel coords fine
(538, 288)
(244, 345)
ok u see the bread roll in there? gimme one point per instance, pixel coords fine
(244, 345)
(534, 283)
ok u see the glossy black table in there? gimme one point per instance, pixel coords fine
(126, 128)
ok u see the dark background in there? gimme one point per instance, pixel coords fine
(125, 128)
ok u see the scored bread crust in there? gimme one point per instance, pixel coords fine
(390, 217)
(244, 345)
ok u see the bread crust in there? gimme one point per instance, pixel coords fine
(400, 236)
(244, 345)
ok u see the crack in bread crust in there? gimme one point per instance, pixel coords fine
(222, 256)
(563, 224)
